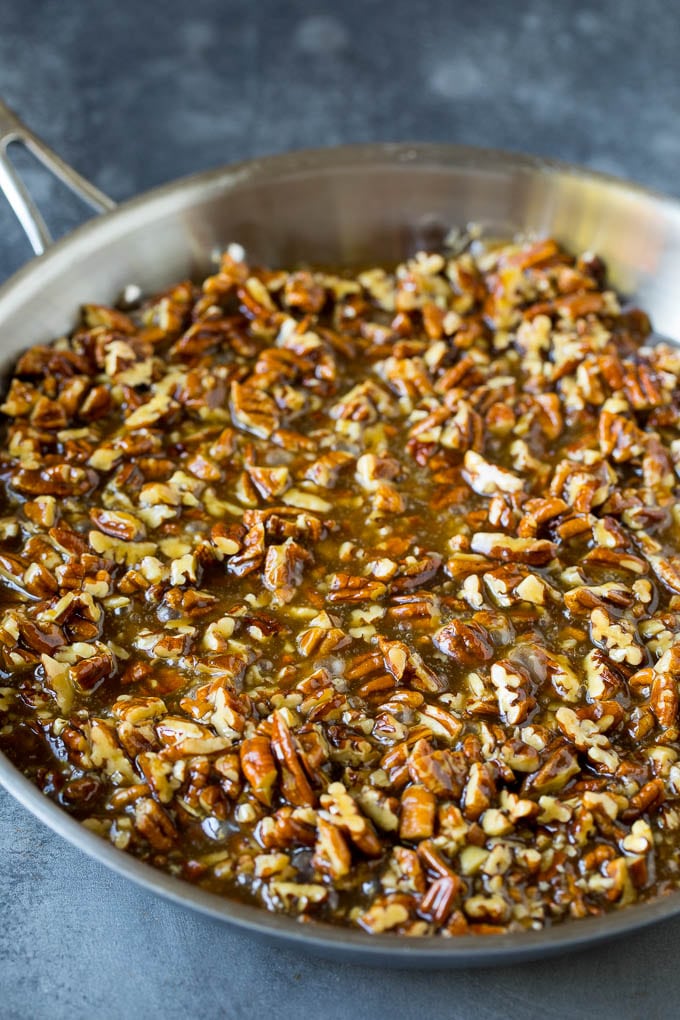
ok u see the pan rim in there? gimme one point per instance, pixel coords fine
(319, 937)
(439, 155)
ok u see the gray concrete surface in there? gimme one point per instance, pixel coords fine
(136, 93)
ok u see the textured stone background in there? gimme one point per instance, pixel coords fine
(134, 94)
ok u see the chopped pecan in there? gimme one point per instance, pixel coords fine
(155, 824)
(349, 588)
(283, 568)
(59, 480)
(340, 808)
(534, 551)
(439, 901)
(331, 853)
(618, 637)
(418, 813)
(441, 772)
(294, 783)
(664, 699)
(321, 641)
(488, 479)
(554, 774)
(386, 914)
(118, 524)
(512, 684)
(467, 643)
(259, 767)
(253, 410)
(285, 829)
(407, 666)
(88, 673)
(479, 791)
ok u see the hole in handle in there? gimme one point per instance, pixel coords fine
(13, 132)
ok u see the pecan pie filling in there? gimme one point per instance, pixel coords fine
(356, 596)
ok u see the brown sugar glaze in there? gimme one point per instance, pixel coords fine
(356, 596)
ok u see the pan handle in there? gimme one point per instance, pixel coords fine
(11, 185)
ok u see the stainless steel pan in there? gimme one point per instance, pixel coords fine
(345, 205)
